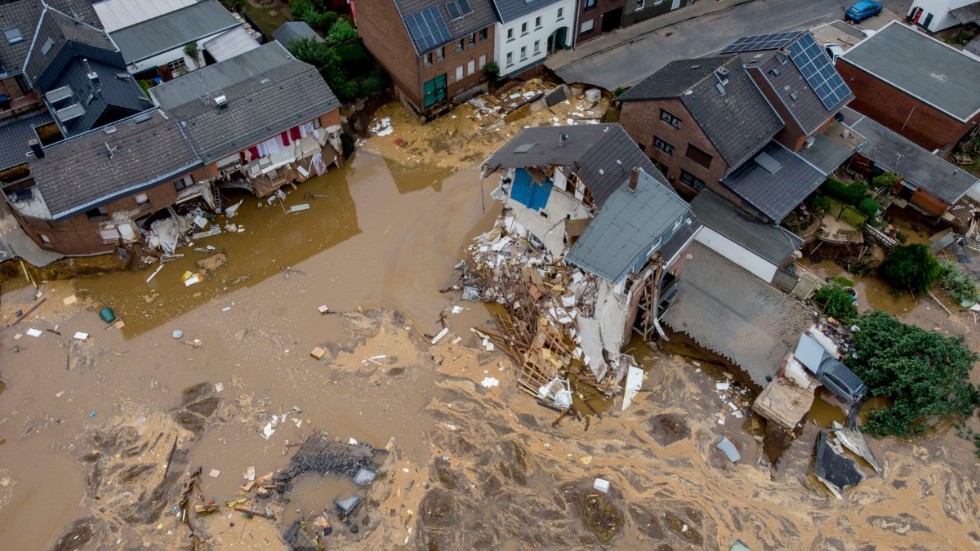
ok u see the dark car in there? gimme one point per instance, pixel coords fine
(841, 380)
(862, 10)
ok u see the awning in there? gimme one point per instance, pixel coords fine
(230, 44)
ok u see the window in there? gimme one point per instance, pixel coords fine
(48, 44)
(485, 33)
(483, 61)
(537, 22)
(663, 146)
(472, 41)
(178, 66)
(459, 73)
(99, 212)
(561, 14)
(429, 58)
(588, 4)
(523, 53)
(13, 35)
(440, 54)
(537, 47)
(470, 67)
(510, 35)
(587, 26)
(640, 4)
(523, 29)
(142, 199)
(510, 59)
(698, 156)
(184, 182)
(670, 119)
(45, 238)
(460, 44)
(691, 180)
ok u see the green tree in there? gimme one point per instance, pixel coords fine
(887, 179)
(869, 207)
(354, 59)
(492, 70)
(925, 375)
(910, 267)
(835, 301)
(957, 283)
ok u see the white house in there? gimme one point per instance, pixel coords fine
(936, 15)
(528, 30)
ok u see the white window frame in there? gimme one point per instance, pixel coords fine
(586, 26)
(459, 73)
(561, 14)
(510, 59)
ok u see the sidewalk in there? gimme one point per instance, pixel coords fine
(628, 35)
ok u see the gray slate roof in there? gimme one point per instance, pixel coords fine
(173, 30)
(25, 16)
(807, 109)
(776, 194)
(77, 174)
(967, 14)
(923, 67)
(591, 151)
(268, 92)
(291, 31)
(738, 122)
(919, 167)
(14, 135)
(731, 312)
(626, 227)
(119, 97)
(509, 10)
(770, 242)
(481, 17)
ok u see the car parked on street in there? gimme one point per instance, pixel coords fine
(862, 10)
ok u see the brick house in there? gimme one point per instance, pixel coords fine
(596, 17)
(915, 85)
(87, 193)
(758, 125)
(434, 51)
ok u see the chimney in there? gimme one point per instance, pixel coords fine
(634, 178)
(36, 148)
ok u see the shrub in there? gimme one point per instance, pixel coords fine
(925, 375)
(492, 70)
(619, 91)
(848, 193)
(373, 85)
(819, 203)
(836, 302)
(910, 267)
(887, 179)
(869, 207)
(354, 59)
(958, 284)
(341, 32)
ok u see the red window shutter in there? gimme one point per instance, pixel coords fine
(285, 138)
(254, 150)
(294, 133)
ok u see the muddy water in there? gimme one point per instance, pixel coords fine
(390, 231)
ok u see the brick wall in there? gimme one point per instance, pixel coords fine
(650, 10)
(79, 235)
(596, 15)
(386, 38)
(641, 120)
(923, 124)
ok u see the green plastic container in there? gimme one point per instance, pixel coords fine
(107, 315)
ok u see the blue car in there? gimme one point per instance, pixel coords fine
(862, 10)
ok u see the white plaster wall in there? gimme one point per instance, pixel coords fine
(940, 12)
(549, 24)
(736, 253)
(589, 333)
(974, 192)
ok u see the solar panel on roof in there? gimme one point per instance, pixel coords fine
(428, 29)
(761, 42)
(818, 71)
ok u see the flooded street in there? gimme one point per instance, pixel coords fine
(87, 427)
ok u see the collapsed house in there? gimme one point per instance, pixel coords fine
(583, 251)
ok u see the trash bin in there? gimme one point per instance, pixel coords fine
(107, 315)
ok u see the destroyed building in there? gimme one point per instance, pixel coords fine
(600, 229)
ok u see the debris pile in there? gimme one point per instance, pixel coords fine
(545, 301)
(833, 467)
